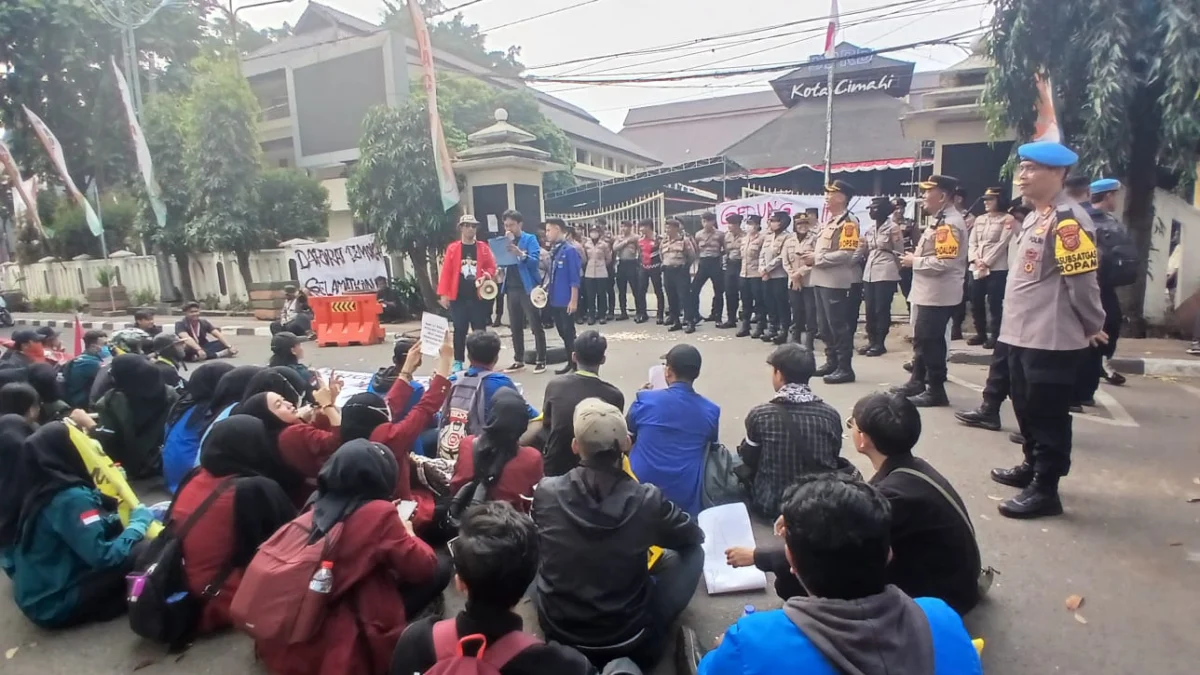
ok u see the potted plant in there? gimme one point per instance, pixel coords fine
(109, 295)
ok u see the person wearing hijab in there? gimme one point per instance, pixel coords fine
(278, 414)
(382, 573)
(238, 458)
(71, 555)
(508, 470)
(44, 378)
(286, 351)
(228, 394)
(133, 415)
(187, 422)
(20, 398)
(282, 380)
(14, 429)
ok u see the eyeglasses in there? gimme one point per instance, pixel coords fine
(850, 423)
(450, 547)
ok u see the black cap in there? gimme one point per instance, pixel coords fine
(783, 217)
(734, 219)
(290, 288)
(842, 187)
(25, 336)
(947, 184)
(165, 340)
(684, 360)
(284, 341)
(48, 333)
(881, 202)
(754, 219)
(899, 201)
(993, 193)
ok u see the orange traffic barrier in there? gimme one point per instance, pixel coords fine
(344, 320)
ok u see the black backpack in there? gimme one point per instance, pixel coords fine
(160, 607)
(1118, 256)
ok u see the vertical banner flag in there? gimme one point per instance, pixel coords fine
(1046, 126)
(831, 30)
(20, 187)
(60, 162)
(447, 184)
(141, 150)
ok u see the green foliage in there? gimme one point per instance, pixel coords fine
(67, 232)
(410, 303)
(106, 276)
(53, 305)
(291, 205)
(211, 302)
(164, 125)
(144, 297)
(456, 36)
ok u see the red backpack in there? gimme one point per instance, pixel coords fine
(452, 657)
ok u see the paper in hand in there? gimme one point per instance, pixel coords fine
(658, 377)
(433, 333)
(500, 252)
(725, 527)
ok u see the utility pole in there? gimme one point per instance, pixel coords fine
(233, 24)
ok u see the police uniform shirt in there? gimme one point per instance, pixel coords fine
(626, 248)
(751, 245)
(771, 258)
(677, 252)
(1052, 297)
(710, 244)
(597, 255)
(793, 251)
(990, 238)
(940, 262)
(833, 257)
(733, 248)
(882, 248)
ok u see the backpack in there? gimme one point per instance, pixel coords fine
(1118, 255)
(722, 484)
(160, 606)
(453, 659)
(463, 413)
(274, 602)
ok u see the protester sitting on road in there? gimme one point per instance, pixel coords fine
(168, 358)
(507, 470)
(565, 392)
(672, 430)
(71, 555)
(295, 316)
(227, 396)
(496, 558)
(124, 341)
(52, 345)
(201, 339)
(44, 378)
(286, 351)
(188, 420)
(794, 434)
(20, 398)
(80, 373)
(133, 415)
(383, 379)
(383, 575)
(837, 533)
(144, 319)
(14, 429)
(594, 590)
(239, 459)
(933, 548)
(278, 414)
(281, 380)
(26, 350)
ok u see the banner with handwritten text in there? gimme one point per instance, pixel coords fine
(339, 267)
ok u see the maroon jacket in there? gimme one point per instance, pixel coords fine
(517, 479)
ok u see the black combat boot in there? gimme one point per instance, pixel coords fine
(659, 318)
(876, 349)
(756, 333)
(1038, 500)
(623, 316)
(743, 330)
(842, 375)
(934, 396)
(689, 328)
(908, 366)
(910, 388)
(768, 335)
(675, 325)
(1017, 438)
(1020, 476)
(956, 332)
(986, 416)
(781, 337)
(977, 339)
(828, 368)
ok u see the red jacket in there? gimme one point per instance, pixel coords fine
(374, 559)
(209, 545)
(452, 266)
(516, 479)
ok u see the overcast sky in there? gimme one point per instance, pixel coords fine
(601, 27)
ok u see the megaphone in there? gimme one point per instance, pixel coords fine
(539, 298)
(488, 289)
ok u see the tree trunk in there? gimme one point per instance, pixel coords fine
(185, 275)
(243, 263)
(420, 263)
(1140, 182)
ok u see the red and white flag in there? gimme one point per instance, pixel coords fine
(78, 336)
(832, 29)
(89, 517)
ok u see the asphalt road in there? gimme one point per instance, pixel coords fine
(1129, 543)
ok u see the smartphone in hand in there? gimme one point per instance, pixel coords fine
(406, 509)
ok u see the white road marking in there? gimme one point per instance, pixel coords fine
(1120, 416)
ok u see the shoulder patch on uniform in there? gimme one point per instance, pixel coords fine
(849, 239)
(945, 242)
(1073, 249)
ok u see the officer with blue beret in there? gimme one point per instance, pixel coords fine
(1052, 315)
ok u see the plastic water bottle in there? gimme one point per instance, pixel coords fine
(748, 610)
(322, 581)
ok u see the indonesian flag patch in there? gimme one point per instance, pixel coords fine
(89, 517)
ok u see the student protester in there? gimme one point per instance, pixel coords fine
(519, 280)
(594, 590)
(201, 339)
(565, 392)
(133, 416)
(710, 252)
(672, 430)
(507, 470)
(286, 351)
(284, 381)
(143, 319)
(26, 350)
(15, 427)
(562, 284)
(71, 554)
(382, 573)
(295, 316)
(52, 343)
(80, 373)
(168, 359)
(795, 434)
(188, 420)
(650, 273)
(228, 394)
(837, 532)
(20, 398)
(466, 265)
(496, 559)
(775, 279)
(678, 253)
(933, 549)
(597, 253)
(881, 249)
(44, 378)
(627, 253)
(239, 459)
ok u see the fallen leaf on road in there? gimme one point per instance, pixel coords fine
(1080, 619)
(8, 654)
(1074, 602)
(1175, 543)
(995, 498)
(1193, 500)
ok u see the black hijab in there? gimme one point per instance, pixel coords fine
(282, 380)
(44, 379)
(230, 388)
(50, 465)
(259, 408)
(14, 429)
(361, 415)
(507, 420)
(134, 375)
(359, 472)
(240, 445)
(201, 387)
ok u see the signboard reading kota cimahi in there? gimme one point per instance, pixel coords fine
(856, 71)
(339, 267)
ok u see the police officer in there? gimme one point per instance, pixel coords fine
(1109, 231)
(939, 264)
(710, 246)
(678, 255)
(880, 249)
(733, 267)
(774, 278)
(1052, 314)
(751, 283)
(988, 266)
(797, 254)
(832, 275)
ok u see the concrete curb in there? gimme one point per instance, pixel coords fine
(260, 331)
(1124, 365)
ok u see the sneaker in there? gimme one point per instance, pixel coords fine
(457, 367)
(539, 369)
(516, 367)
(1194, 350)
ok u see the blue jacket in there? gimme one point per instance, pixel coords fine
(564, 274)
(77, 383)
(672, 428)
(495, 381)
(73, 537)
(768, 643)
(181, 450)
(528, 268)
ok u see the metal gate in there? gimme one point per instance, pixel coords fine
(652, 206)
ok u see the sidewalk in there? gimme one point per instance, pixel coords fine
(1149, 356)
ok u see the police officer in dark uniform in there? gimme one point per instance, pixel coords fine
(1052, 315)
(832, 276)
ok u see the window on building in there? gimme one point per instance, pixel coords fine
(581, 156)
(293, 272)
(284, 163)
(608, 163)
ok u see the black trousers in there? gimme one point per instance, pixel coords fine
(627, 280)
(906, 275)
(301, 325)
(417, 598)
(597, 298)
(469, 313)
(779, 313)
(646, 278)
(960, 310)
(680, 307)
(1091, 366)
(854, 305)
(565, 324)
(611, 286)
(879, 296)
(520, 312)
(798, 311)
(987, 302)
(929, 344)
(709, 269)
(499, 307)
(1042, 381)
(996, 389)
(752, 302)
(808, 321)
(833, 322)
(733, 282)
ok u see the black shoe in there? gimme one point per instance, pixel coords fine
(1076, 408)
(690, 328)
(839, 376)
(956, 333)
(756, 333)
(622, 316)
(659, 320)
(603, 321)
(609, 317)
(976, 340)
(983, 417)
(1016, 437)
(674, 327)
(934, 396)
(780, 339)
(715, 318)
(744, 331)
(570, 367)
(640, 319)
(824, 369)
(908, 366)
(1114, 378)
(990, 344)
(1020, 476)
(1090, 403)
(910, 388)
(862, 351)
(875, 350)
(767, 336)
(496, 323)
(727, 324)
(1035, 501)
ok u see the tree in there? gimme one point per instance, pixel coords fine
(455, 35)
(393, 189)
(1125, 75)
(221, 157)
(291, 205)
(163, 124)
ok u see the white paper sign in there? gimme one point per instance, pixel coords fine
(339, 267)
(725, 527)
(433, 333)
(493, 225)
(658, 377)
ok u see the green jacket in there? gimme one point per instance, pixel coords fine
(72, 537)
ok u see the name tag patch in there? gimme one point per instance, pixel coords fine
(1074, 250)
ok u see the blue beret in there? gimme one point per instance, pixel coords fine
(1105, 185)
(1048, 153)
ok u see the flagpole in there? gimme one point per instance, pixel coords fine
(829, 127)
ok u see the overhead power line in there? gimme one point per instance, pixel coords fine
(538, 16)
(454, 8)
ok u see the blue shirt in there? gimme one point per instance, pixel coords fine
(672, 428)
(528, 268)
(493, 383)
(564, 274)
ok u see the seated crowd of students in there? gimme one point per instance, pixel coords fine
(384, 501)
